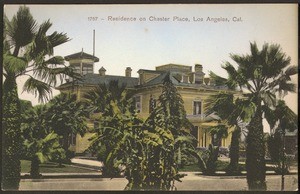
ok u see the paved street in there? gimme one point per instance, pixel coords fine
(190, 182)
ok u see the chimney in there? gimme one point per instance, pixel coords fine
(102, 71)
(198, 68)
(128, 72)
(199, 75)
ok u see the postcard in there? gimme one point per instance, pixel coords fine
(199, 49)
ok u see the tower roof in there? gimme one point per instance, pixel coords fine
(81, 55)
(102, 69)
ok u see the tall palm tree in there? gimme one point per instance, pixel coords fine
(263, 74)
(27, 51)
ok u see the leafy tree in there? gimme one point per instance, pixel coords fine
(263, 74)
(40, 142)
(65, 116)
(27, 51)
(167, 122)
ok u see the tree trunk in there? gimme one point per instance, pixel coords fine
(11, 166)
(34, 168)
(66, 142)
(255, 153)
(233, 167)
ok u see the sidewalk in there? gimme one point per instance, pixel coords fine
(87, 162)
(97, 165)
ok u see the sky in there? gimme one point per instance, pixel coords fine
(143, 44)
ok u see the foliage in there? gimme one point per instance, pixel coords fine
(211, 160)
(10, 136)
(67, 116)
(144, 151)
(263, 74)
(98, 99)
(115, 105)
(217, 133)
(281, 119)
(167, 123)
(41, 143)
(275, 147)
(281, 116)
(232, 112)
(25, 49)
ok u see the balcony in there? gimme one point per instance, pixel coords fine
(203, 117)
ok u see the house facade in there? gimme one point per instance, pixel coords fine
(190, 82)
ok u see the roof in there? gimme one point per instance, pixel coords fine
(102, 69)
(150, 71)
(159, 80)
(81, 55)
(96, 79)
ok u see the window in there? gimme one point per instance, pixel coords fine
(138, 103)
(197, 108)
(87, 68)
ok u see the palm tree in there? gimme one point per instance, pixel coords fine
(232, 112)
(27, 51)
(100, 97)
(110, 100)
(263, 74)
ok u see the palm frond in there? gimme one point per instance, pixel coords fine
(274, 62)
(291, 70)
(269, 116)
(219, 81)
(221, 103)
(57, 39)
(42, 44)
(268, 97)
(232, 83)
(21, 28)
(38, 88)
(14, 64)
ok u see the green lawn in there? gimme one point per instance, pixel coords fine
(53, 168)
